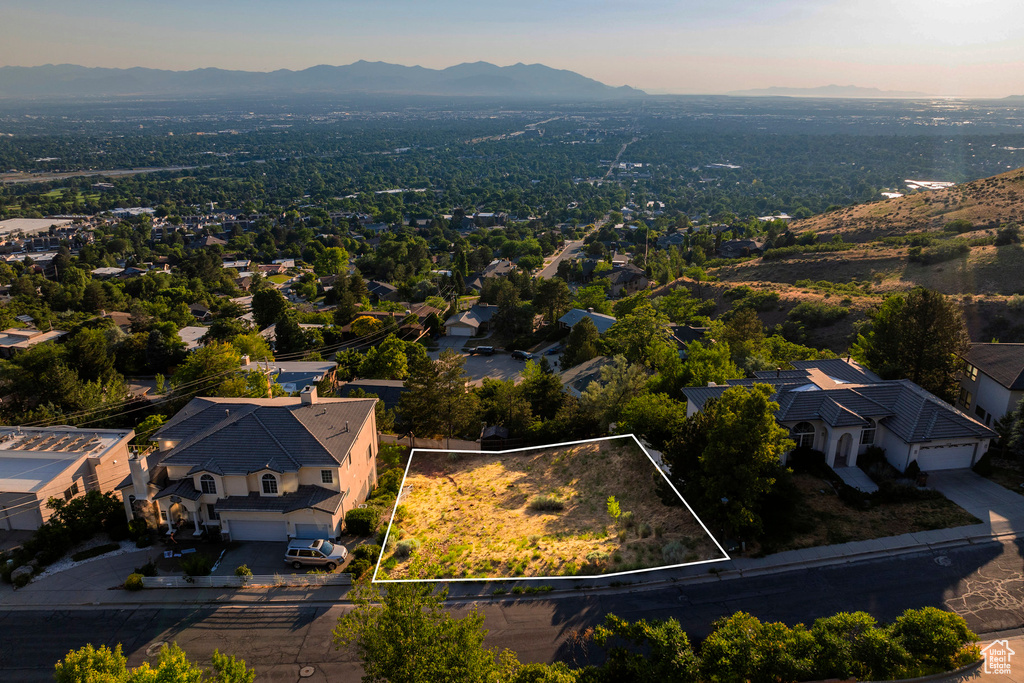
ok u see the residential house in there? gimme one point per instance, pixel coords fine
(627, 279)
(991, 380)
(498, 268)
(15, 339)
(576, 379)
(601, 321)
(292, 376)
(389, 391)
(471, 323)
(258, 469)
(192, 335)
(675, 239)
(381, 291)
(841, 409)
(39, 463)
(201, 313)
(740, 248)
(106, 273)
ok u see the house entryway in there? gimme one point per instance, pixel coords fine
(843, 451)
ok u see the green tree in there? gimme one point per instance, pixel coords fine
(267, 307)
(503, 402)
(103, 665)
(254, 345)
(386, 360)
(436, 401)
(919, 336)
(406, 636)
(208, 371)
(553, 297)
(741, 461)
(331, 261)
(742, 648)
(620, 381)
(640, 335)
(582, 344)
(656, 418)
(594, 296)
(365, 325)
(665, 653)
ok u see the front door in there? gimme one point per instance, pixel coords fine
(843, 450)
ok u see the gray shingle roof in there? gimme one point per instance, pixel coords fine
(1002, 362)
(240, 436)
(183, 488)
(306, 497)
(601, 321)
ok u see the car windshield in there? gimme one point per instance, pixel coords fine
(326, 547)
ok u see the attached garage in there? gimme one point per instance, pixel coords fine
(314, 531)
(460, 331)
(956, 456)
(251, 530)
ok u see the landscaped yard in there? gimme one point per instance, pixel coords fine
(821, 518)
(543, 512)
(279, 279)
(1008, 475)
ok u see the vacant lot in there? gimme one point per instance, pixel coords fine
(541, 512)
(821, 518)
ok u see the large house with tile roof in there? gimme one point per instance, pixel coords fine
(841, 409)
(991, 380)
(265, 469)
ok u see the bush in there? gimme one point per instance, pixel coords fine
(96, 552)
(388, 484)
(816, 314)
(242, 571)
(134, 582)
(406, 548)
(984, 465)
(933, 637)
(675, 552)
(358, 567)
(362, 521)
(148, 569)
(913, 469)
(366, 552)
(944, 251)
(850, 645)
(21, 580)
(196, 564)
(546, 504)
(138, 529)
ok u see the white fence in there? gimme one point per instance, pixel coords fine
(254, 580)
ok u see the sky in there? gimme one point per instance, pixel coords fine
(958, 48)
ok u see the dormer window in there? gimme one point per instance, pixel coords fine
(208, 484)
(269, 483)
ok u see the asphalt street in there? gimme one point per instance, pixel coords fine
(983, 582)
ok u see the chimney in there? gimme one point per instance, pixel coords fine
(308, 395)
(245, 360)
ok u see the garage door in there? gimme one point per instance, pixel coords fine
(314, 531)
(460, 331)
(952, 457)
(258, 531)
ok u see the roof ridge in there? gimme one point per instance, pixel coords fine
(230, 418)
(325, 446)
(273, 436)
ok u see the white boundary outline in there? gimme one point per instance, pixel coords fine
(584, 577)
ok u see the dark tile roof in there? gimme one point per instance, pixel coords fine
(387, 390)
(306, 497)
(183, 488)
(1002, 362)
(240, 436)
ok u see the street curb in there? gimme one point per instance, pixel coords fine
(657, 584)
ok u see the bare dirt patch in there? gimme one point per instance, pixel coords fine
(496, 515)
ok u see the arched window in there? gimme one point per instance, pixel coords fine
(867, 435)
(269, 483)
(208, 484)
(803, 434)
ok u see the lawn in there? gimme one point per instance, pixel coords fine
(279, 279)
(538, 513)
(1008, 475)
(821, 518)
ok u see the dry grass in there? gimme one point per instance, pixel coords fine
(472, 517)
(823, 519)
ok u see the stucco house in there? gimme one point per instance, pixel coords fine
(37, 463)
(840, 408)
(991, 380)
(470, 323)
(258, 469)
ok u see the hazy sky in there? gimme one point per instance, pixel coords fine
(968, 48)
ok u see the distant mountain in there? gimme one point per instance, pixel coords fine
(476, 79)
(849, 91)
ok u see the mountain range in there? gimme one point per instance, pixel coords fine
(849, 91)
(377, 78)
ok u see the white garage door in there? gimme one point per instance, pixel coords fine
(258, 531)
(460, 331)
(952, 457)
(313, 531)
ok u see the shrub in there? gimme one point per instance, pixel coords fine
(627, 520)
(242, 571)
(816, 314)
(743, 648)
(138, 529)
(134, 582)
(96, 552)
(933, 637)
(358, 567)
(21, 580)
(366, 552)
(913, 469)
(850, 645)
(958, 226)
(196, 564)
(546, 504)
(148, 569)
(675, 552)
(407, 547)
(388, 484)
(984, 465)
(362, 521)
(943, 251)
(614, 511)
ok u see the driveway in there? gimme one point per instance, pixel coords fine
(498, 366)
(998, 507)
(262, 557)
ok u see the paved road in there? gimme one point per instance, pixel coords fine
(982, 582)
(573, 249)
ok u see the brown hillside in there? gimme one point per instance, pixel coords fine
(987, 203)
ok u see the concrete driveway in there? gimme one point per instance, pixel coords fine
(261, 558)
(498, 366)
(998, 507)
